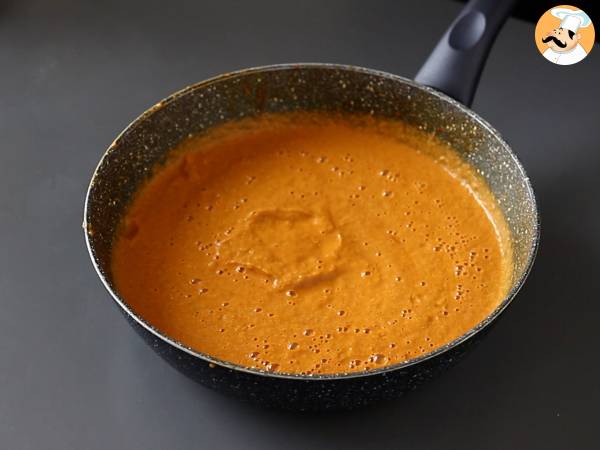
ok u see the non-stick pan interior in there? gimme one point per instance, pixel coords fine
(146, 142)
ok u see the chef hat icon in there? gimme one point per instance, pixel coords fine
(571, 19)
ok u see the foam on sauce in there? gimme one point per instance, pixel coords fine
(304, 243)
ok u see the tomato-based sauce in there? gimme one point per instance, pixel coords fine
(312, 244)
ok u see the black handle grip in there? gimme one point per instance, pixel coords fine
(455, 64)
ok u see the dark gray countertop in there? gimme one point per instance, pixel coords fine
(75, 376)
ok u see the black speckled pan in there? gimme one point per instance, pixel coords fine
(454, 68)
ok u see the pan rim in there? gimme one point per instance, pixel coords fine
(515, 288)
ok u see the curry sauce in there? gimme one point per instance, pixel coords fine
(313, 244)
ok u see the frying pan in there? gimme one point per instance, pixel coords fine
(436, 102)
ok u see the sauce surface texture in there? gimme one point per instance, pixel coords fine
(311, 244)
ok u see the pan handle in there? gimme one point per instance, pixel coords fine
(455, 64)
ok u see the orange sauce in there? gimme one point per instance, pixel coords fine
(312, 244)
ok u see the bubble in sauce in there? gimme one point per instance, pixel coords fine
(271, 367)
(377, 358)
(353, 364)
